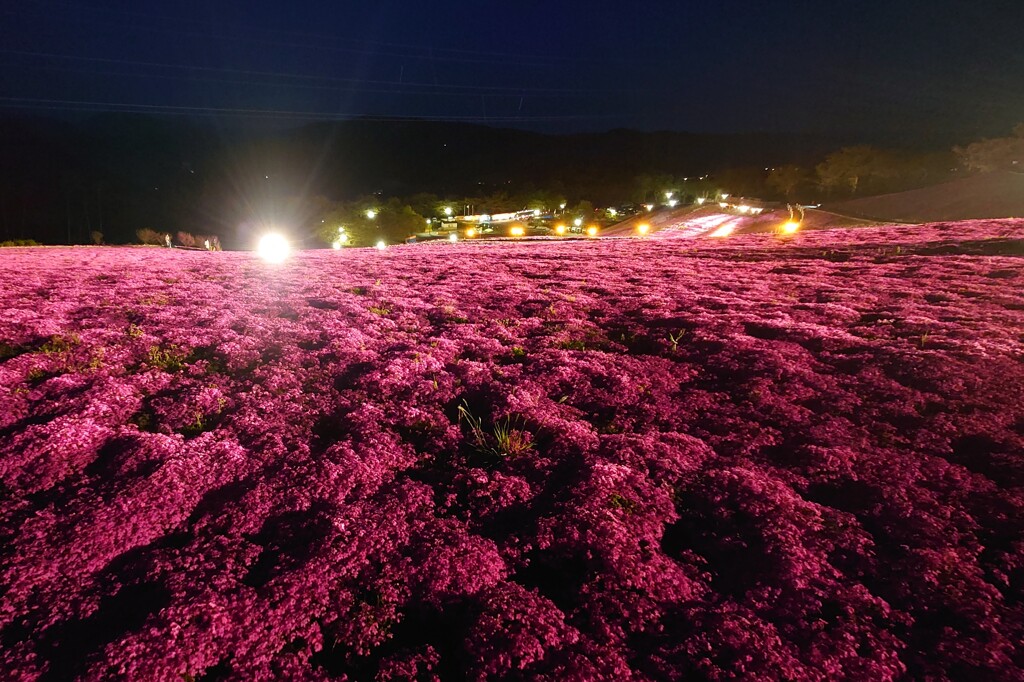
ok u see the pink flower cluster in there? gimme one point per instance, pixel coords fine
(753, 458)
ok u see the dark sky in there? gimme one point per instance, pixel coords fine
(870, 67)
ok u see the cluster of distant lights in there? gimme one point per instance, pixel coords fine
(274, 247)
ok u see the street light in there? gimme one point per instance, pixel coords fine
(672, 203)
(273, 248)
(643, 228)
(668, 195)
(381, 245)
(578, 222)
(448, 210)
(592, 231)
(371, 214)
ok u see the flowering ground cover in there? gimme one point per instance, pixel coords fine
(753, 458)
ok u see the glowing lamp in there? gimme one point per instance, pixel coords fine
(371, 214)
(700, 201)
(592, 231)
(643, 228)
(447, 210)
(536, 213)
(517, 231)
(649, 207)
(273, 248)
(471, 233)
(672, 203)
(790, 226)
(612, 212)
(668, 195)
(381, 245)
(725, 195)
(578, 222)
(559, 229)
(453, 237)
(336, 245)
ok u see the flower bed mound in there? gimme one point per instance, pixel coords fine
(746, 459)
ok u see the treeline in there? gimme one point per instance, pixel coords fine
(101, 182)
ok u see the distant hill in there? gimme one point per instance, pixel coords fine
(991, 195)
(119, 172)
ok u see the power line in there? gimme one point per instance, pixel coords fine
(498, 60)
(129, 107)
(299, 76)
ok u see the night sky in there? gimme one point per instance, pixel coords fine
(870, 67)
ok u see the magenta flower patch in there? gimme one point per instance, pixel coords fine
(795, 458)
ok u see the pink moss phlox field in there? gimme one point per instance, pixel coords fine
(794, 458)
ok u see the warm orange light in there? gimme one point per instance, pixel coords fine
(790, 226)
(517, 231)
(723, 231)
(470, 233)
(643, 228)
(559, 229)
(592, 231)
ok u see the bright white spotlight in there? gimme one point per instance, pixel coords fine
(447, 210)
(578, 222)
(371, 214)
(336, 245)
(453, 237)
(273, 248)
(381, 245)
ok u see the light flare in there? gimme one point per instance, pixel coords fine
(273, 248)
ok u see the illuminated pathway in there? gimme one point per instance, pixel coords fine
(716, 225)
